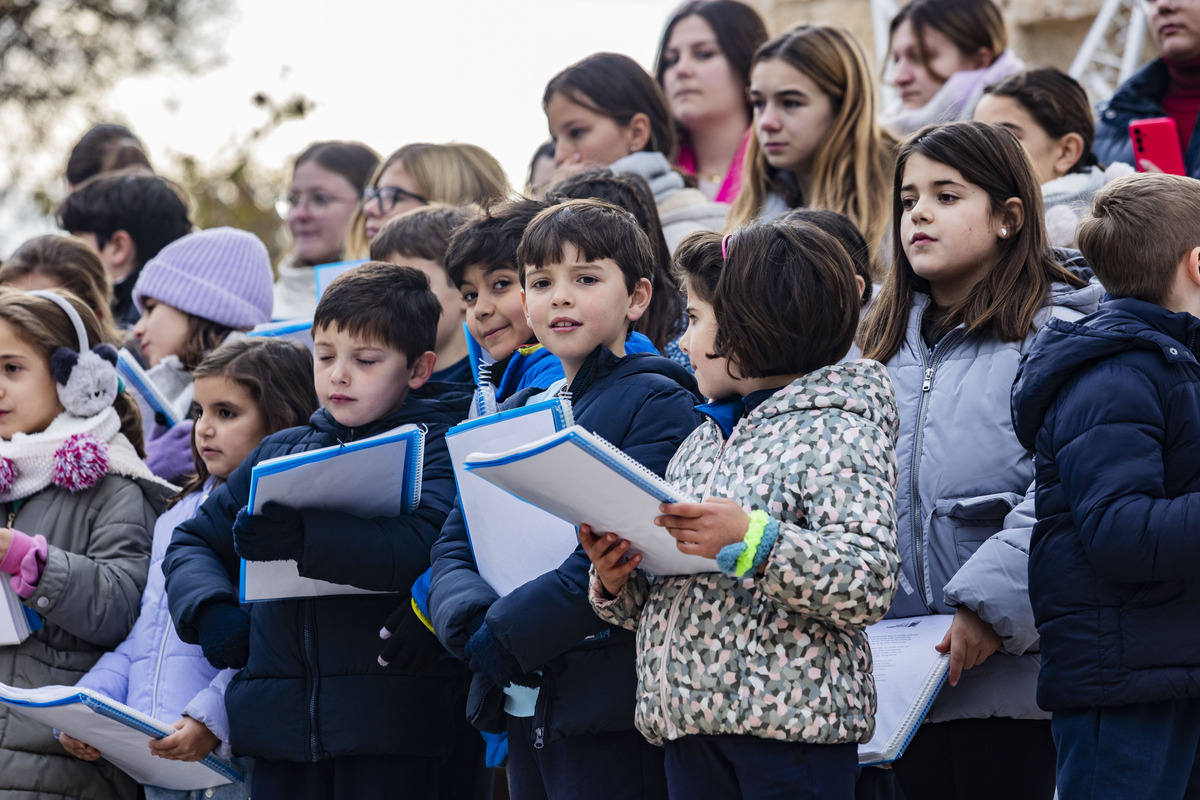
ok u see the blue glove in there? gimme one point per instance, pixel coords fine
(485, 654)
(224, 633)
(276, 534)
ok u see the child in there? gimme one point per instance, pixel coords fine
(1049, 113)
(567, 687)
(419, 239)
(245, 390)
(805, 563)
(1109, 404)
(974, 278)
(311, 704)
(817, 142)
(192, 296)
(80, 506)
(128, 217)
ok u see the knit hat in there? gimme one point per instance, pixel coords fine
(221, 274)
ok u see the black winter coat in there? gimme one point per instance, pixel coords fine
(313, 689)
(645, 405)
(1111, 406)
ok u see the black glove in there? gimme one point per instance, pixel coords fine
(409, 645)
(275, 534)
(224, 632)
(485, 654)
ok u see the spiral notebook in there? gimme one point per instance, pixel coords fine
(908, 675)
(151, 400)
(581, 478)
(375, 477)
(513, 542)
(121, 734)
(17, 620)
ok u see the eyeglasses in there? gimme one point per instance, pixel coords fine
(315, 202)
(388, 196)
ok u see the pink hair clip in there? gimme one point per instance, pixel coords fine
(725, 245)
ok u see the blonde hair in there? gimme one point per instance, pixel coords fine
(456, 173)
(853, 161)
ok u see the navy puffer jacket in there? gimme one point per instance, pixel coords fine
(643, 404)
(312, 689)
(1111, 406)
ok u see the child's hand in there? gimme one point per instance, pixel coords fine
(191, 741)
(276, 534)
(969, 642)
(77, 748)
(607, 551)
(702, 529)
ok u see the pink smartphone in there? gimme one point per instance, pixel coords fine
(1157, 141)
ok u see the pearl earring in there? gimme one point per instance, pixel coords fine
(1003, 232)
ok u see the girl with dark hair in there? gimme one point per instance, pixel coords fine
(606, 111)
(1049, 113)
(327, 183)
(974, 278)
(942, 54)
(703, 67)
(106, 147)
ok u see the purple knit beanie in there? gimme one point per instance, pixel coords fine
(221, 274)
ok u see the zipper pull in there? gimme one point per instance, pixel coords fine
(538, 744)
(928, 379)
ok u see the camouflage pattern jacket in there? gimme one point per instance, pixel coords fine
(783, 654)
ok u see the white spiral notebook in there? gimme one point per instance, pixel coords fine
(375, 477)
(578, 476)
(121, 734)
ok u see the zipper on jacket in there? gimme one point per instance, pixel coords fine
(937, 354)
(314, 680)
(541, 722)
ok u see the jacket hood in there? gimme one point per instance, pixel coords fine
(603, 364)
(1064, 348)
(433, 403)
(861, 387)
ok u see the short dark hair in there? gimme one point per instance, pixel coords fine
(842, 228)
(151, 209)
(105, 148)
(1141, 226)
(630, 191)
(384, 303)
(698, 264)
(422, 232)
(597, 230)
(491, 239)
(786, 303)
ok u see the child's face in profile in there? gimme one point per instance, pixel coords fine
(495, 315)
(162, 330)
(28, 394)
(574, 305)
(697, 341)
(228, 423)
(359, 380)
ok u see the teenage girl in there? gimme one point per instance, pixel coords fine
(606, 111)
(805, 564)
(244, 391)
(327, 183)
(974, 277)
(703, 67)
(419, 174)
(1049, 113)
(196, 292)
(942, 55)
(817, 142)
(80, 506)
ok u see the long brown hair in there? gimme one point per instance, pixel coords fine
(46, 327)
(850, 166)
(278, 376)
(1004, 302)
(75, 267)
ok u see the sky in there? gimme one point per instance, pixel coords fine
(383, 73)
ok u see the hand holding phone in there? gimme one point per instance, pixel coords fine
(1156, 140)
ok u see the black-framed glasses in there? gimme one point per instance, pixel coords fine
(388, 196)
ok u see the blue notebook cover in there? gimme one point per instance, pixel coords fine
(324, 274)
(139, 381)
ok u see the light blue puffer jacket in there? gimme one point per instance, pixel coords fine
(153, 670)
(963, 526)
